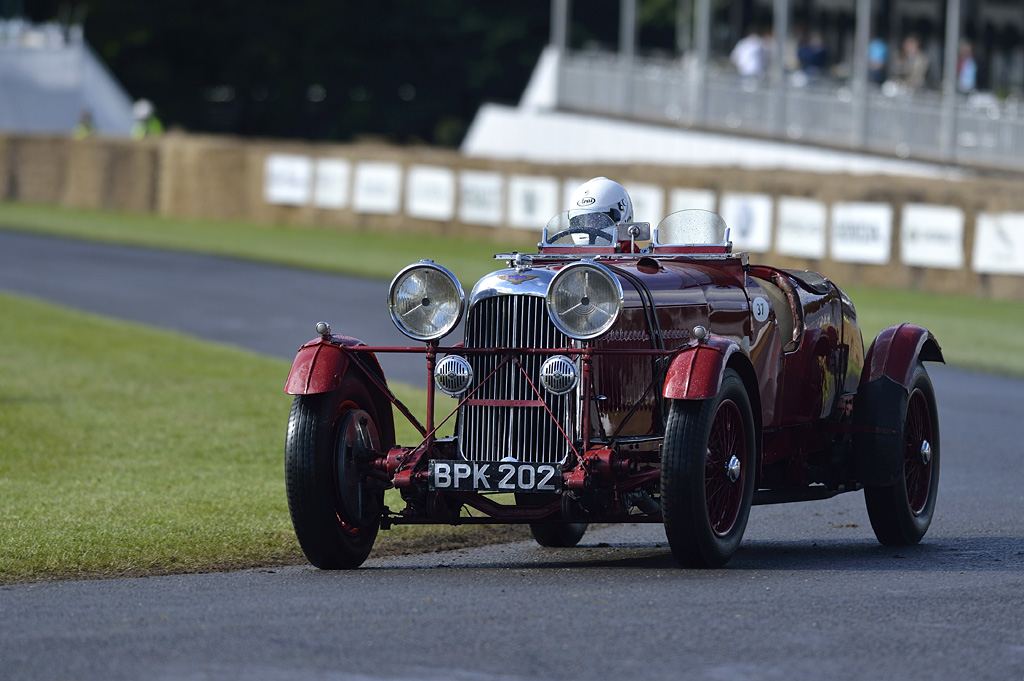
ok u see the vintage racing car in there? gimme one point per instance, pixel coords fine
(619, 374)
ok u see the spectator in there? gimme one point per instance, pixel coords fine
(912, 64)
(966, 69)
(749, 56)
(878, 60)
(812, 55)
(146, 123)
(84, 128)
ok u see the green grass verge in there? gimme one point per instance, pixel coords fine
(125, 450)
(974, 333)
(364, 253)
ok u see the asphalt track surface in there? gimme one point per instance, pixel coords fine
(810, 595)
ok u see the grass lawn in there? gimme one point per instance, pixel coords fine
(364, 253)
(125, 450)
(975, 333)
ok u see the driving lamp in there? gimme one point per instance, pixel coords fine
(425, 301)
(453, 375)
(584, 300)
(558, 374)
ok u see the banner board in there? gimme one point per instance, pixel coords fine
(330, 189)
(480, 197)
(932, 236)
(287, 179)
(532, 201)
(686, 199)
(569, 185)
(378, 188)
(802, 227)
(999, 243)
(862, 232)
(749, 217)
(430, 193)
(648, 202)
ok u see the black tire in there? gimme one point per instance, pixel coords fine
(558, 535)
(552, 535)
(336, 515)
(707, 442)
(901, 513)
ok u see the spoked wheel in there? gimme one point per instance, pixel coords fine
(335, 511)
(552, 535)
(901, 513)
(707, 475)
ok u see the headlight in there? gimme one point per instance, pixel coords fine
(584, 300)
(425, 301)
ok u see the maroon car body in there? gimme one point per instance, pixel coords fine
(602, 381)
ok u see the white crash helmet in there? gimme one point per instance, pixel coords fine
(603, 196)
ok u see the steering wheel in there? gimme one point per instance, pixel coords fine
(593, 232)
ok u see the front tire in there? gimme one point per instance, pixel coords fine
(901, 513)
(335, 512)
(707, 475)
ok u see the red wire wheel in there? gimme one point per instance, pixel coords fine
(723, 490)
(707, 475)
(918, 456)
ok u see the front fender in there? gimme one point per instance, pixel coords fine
(696, 373)
(320, 365)
(896, 351)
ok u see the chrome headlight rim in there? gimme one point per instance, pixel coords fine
(618, 300)
(444, 330)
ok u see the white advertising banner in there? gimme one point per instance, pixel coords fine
(749, 217)
(480, 197)
(330, 189)
(378, 188)
(932, 236)
(999, 243)
(648, 202)
(430, 193)
(691, 199)
(532, 201)
(569, 185)
(862, 232)
(287, 179)
(802, 227)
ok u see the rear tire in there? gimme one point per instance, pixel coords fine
(901, 513)
(707, 475)
(336, 514)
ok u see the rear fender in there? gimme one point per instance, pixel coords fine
(321, 364)
(896, 351)
(696, 373)
(881, 400)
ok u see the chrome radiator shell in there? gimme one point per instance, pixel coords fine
(500, 319)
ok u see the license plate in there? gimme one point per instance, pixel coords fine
(494, 476)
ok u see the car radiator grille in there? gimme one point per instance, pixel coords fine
(491, 433)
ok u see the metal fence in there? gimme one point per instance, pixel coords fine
(984, 131)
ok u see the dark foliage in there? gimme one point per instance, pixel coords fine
(407, 70)
(316, 69)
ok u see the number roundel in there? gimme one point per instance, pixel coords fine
(760, 308)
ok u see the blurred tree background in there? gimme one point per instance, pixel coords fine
(405, 70)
